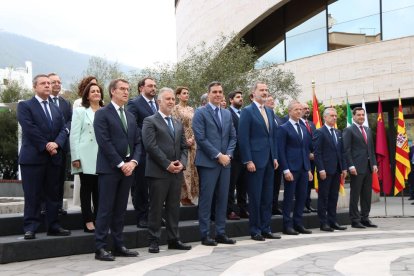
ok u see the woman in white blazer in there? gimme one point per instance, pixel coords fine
(84, 150)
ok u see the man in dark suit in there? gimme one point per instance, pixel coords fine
(66, 109)
(43, 137)
(277, 178)
(166, 149)
(360, 159)
(258, 149)
(141, 107)
(216, 139)
(238, 170)
(331, 167)
(294, 145)
(310, 127)
(119, 148)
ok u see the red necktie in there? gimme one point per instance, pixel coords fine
(308, 126)
(364, 134)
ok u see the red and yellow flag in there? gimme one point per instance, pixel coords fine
(342, 180)
(318, 124)
(403, 166)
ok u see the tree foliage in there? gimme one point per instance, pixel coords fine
(8, 144)
(14, 92)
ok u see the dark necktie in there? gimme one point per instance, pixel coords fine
(170, 126)
(154, 109)
(308, 127)
(124, 125)
(56, 100)
(216, 113)
(299, 131)
(364, 134)
(49, 118)
(333, 136)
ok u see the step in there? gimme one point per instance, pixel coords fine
(13, 248)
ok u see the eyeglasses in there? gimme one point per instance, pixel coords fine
(56, 82)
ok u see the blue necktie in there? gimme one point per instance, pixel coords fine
(216, 113)
(333, 136)
(170, 126)
(154, 109)
(299, 131)
(49, 118)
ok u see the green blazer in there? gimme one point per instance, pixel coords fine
(83, 145)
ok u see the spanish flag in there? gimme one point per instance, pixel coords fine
(318, 124)
(403, 166)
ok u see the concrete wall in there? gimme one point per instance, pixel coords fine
(200, 20)
(375, 69)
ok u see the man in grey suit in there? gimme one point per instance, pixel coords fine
(360, 157)
(166, 149)
(216, 139)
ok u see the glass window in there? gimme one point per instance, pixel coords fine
(353, 22)
(307, 39)
(274, 55)
(397, 18)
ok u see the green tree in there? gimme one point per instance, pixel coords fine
(8, 144)
(14, 92)
(231, 63)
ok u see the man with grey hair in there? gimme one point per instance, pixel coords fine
(165, 144)
(331, 167)
(295, 145)
(204, 99)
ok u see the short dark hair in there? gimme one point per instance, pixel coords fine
(113, 83)
(358, 108)
(179, 89)
(233, 94)
(141, 83)
(213, 83)
(85, 94)
(36, 77)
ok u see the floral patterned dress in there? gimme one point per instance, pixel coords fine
(189, 188)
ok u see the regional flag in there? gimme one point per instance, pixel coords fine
(348, 113)
(383, 157)
(318, 124)
(403, 166)
(342, 180)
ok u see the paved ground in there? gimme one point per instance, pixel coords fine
(387, 250)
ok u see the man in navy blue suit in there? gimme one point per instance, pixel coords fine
(43, 137)
(66, 109)
(410, 179)
(238, 170)
(216, 139)
(294, 145)
(141, 107)
(258, 148)
(331, 167)
(119, 141)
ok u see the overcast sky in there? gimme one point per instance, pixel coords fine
(134, 32)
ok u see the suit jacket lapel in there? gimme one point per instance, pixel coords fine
(359, 133)
(90, 114)
(145, 104)
(40, 108)
(167, 128)
(211, 111)
(256, 112)
(115, 113)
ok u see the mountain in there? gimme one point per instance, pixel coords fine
(46, 58)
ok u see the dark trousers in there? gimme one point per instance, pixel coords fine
(238, 185)
(328, 198)
(410, 181)
(361, 190)
(277, 181)
(113, 200)
(213, 181)
(260, 192)
(40, 182)
(140, 192)
(168, 191)
(88, 189)
(295, 189)
(62, 179)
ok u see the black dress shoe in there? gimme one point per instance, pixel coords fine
(306, 211)
(103, 255)
(411, 198)
(412, 203)
(277, 212)
(142, 224)
(125, 252)
(302, 230)
(271, 236)
(58, 232)
(154, 247)
(233, 216)
(224, 239)
(313, 210)
(336, 226)
(326, 227)
(357, 225)
(368, 223)
(62, 212)
(163, 222)
(178, 245)
(257, 237)
(290, 231)
(29, 235)
(208, 241)
(244, 214)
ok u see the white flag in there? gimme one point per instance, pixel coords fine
(366, 115)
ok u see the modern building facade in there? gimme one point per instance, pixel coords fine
(22, 75)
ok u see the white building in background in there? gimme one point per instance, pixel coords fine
(23, 75)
